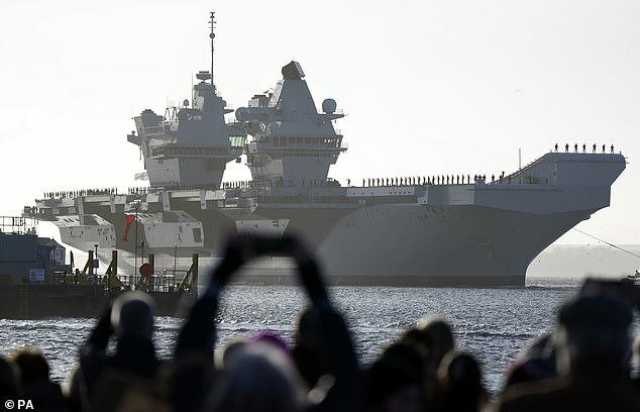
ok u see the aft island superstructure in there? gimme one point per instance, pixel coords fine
(410, 231)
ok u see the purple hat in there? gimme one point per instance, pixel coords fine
(271, 338)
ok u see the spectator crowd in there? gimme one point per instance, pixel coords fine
(583, 364)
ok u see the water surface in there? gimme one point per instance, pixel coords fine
(493, 324)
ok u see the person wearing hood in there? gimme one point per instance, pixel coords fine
(101, 377)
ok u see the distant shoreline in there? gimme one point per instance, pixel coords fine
(574, 261)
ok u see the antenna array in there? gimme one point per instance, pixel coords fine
(212, 35)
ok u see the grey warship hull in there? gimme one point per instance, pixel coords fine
(407, 245)
(477, 235)
(464, 246)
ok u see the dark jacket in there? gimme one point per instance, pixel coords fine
(584, 394)
(134, 360)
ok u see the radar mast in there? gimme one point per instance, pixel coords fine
(212, 35)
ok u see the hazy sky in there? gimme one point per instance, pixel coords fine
(430, 87)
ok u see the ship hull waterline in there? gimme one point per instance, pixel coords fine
(405, 245)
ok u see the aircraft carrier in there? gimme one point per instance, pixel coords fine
(443, 230)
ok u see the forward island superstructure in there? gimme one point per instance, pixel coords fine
(409, 231)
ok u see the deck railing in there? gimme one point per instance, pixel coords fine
(18, 225)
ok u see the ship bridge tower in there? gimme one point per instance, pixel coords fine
(191, 145)
(292, 144)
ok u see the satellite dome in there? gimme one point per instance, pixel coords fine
(329, 106)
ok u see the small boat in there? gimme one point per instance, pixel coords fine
(37, 283)
(635, 278)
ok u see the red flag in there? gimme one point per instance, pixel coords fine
(129, 219)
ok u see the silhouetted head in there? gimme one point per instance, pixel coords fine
(257, 377)
(8, 379)
(537, 362)
(224, 354)
(32, 365)
(437, 338)
(132, 315)
(415, 337)
(400, 367)
(460, 380)
(459, 371)
(593, 336)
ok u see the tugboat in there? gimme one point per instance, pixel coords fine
(37, 282)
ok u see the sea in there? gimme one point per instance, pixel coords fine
(492, 324)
